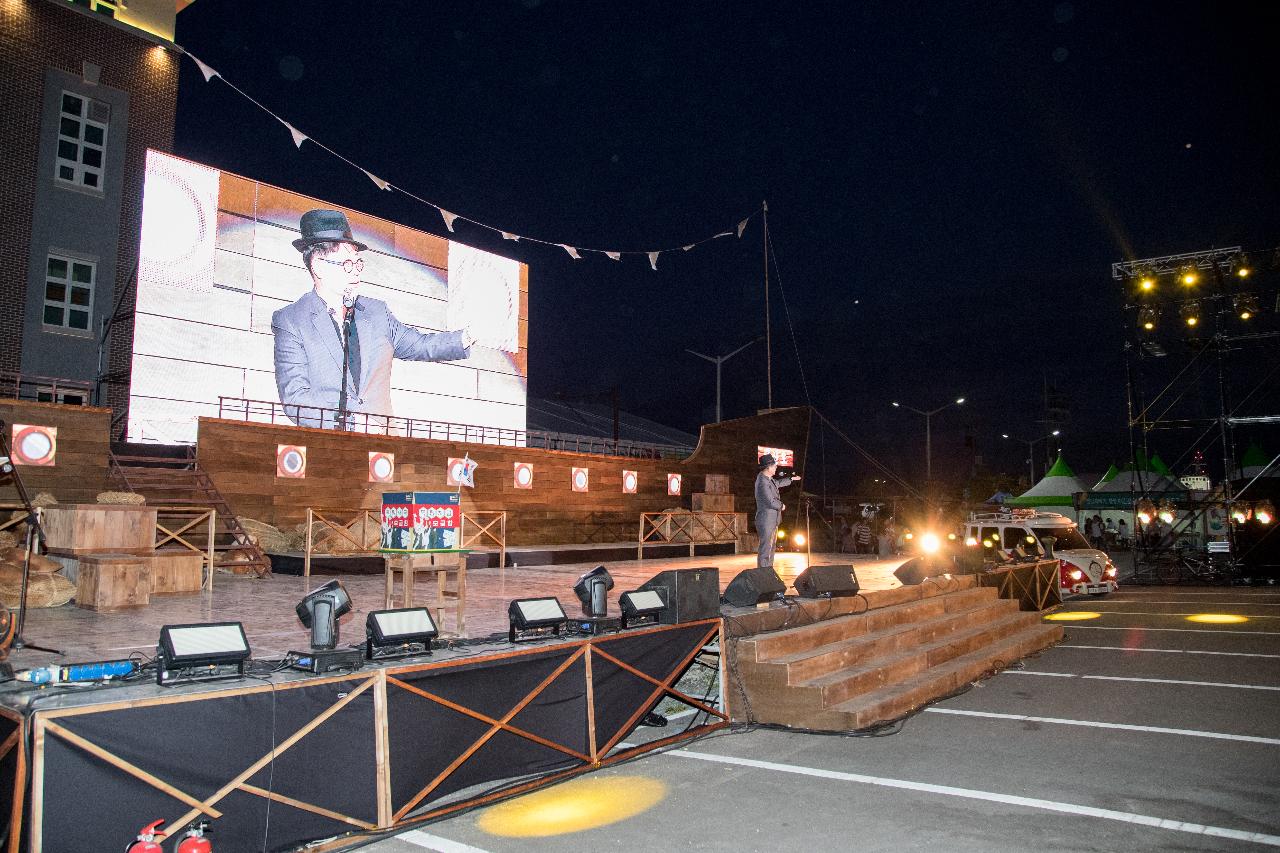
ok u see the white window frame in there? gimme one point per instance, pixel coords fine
(77, 168)
(65, 305)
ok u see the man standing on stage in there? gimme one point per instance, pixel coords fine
(309, 333)
(769, 507)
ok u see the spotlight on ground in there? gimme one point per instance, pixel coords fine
(399, 633)
(320, 611)
(641, 607)
(534, 618)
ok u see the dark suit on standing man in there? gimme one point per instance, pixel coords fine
(768, 513)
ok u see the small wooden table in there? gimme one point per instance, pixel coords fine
(425, 562)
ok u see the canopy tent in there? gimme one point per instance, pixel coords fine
(1054, 491)
(1107, 477)
(1254, 462)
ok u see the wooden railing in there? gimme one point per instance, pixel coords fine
(696, 528)
(191, 519)
(362, 527)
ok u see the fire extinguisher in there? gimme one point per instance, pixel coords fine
(147, 840)
(195, 841)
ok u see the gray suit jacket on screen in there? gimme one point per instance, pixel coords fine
(308, 357)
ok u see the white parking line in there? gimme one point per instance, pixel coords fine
(418, 838)
(1241, 592)
(1170, 651)
(993, 797)
(1178, 630)
(1183, 601)
(1142, 680)
(1095, 724)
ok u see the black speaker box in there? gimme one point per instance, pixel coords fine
(912, 572)
(753, 587)
(690, 594)
(827, 582)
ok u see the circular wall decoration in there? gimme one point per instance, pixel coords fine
(291, 461)
(523, 475)
(382, 467)
(630, 481)
(34, 445)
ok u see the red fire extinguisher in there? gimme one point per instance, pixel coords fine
(148, 840)
(195, 841)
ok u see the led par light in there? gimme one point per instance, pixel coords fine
(201, 652)
(534, 617)
(641, 607)
(399, 633)
(592, 590)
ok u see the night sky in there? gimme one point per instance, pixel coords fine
(948, 184)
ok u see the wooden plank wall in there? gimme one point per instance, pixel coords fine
(79, 471)
(240, 457)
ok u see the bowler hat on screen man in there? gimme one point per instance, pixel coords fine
(325, 226)
(766, 461)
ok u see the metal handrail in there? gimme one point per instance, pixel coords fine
(14, 382)
(268, 411)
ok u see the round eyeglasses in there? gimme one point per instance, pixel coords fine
(348, 265)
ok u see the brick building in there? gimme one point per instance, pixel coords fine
(88, 87)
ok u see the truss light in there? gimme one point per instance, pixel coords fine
(1189, 276)
(1147, 318)
(1190, 313)
(1246, 306)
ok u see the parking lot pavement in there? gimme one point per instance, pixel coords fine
(1161, 735)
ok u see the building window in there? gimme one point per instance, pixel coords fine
(102, 7)
(57, 395)
(68, 293)
(82, 141)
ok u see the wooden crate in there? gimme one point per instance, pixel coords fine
(703, 502)
(75, 529)
(717, 484)
(113, 581)
(176, 572)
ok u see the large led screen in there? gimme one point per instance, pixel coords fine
(225, 307)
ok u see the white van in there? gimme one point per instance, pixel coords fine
(1084, 570)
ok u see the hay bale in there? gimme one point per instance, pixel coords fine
(44, 499)
(265, 536)
(39, 564)
(120, 498)
(42, 590)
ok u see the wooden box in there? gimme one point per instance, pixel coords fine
(74, 529)
(175, 572)
(703, 502)
(113, 581)
(717, 484)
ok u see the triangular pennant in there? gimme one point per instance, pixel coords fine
(653, 259)
(381, 184)
(298, 136)
(742, 226)
(573, 253)
(688, 247)
(509, 236)
(722, 234)
(208, 72)
(617, 256)
(448, 218)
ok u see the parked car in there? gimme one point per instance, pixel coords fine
(1083, 569)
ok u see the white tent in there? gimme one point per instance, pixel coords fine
(1054, 492)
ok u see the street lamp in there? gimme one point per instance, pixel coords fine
(928, 434)
(1031, 456)
(718, 361)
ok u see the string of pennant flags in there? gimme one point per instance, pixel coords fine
(448, 216)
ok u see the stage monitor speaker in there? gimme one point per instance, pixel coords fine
(912, 572)
(754, 586)
(827, 582)
(689, 594)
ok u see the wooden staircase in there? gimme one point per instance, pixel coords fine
(856, 662)
(172, 477)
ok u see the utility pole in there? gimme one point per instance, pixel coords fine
(768, 336)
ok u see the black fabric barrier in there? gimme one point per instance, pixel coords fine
(450, 726)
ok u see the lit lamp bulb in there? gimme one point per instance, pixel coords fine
(1263, 516)
(1189, 278)
(1243, 272)
(1166, 516)
(1144, 517)
(798, 539)
(971, 542)
(782, 534)
(930, 543)
(1148, 283)
(1264, 512)
(1239, 516)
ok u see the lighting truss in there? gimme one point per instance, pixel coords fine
(1224, 259)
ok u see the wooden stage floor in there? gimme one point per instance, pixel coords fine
(266, 607)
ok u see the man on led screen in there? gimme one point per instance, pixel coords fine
(309, 335)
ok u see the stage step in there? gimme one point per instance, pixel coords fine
(845, 672)
(177, 480)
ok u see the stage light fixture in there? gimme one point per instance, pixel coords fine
(1147, 283)
(1240, 514)
(1264, 512)
(641, 607)
(1147, 318)
(1189, 276)
(1146, 510)
(532, 618)
(1167, 512)
(592, 590)
(201, 652)
(1243, 272)
(320, 610)
(1245, 306)
(799, 539)
(1190, 313)
(929, 543)
(399, 633)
